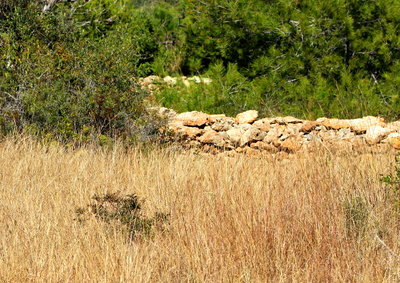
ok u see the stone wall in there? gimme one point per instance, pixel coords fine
(247, 132)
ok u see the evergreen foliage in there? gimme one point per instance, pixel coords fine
(68, 69)
(66, 73)
(304, 58)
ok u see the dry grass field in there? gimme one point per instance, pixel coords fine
(305, 218)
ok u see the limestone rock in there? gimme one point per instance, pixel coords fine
(222, 124)
(293, 128)
(214, 117)
(345, 134)
(286, 134)
(393, 125)
(291, 144)
(252, 134)
(183, 131)
(195, 79)
(312, 136)
(239, 150)
(274, 134)
(323, 128)
(375, 134)
(210, 149)
(207, 81)
(362, 124)
(390, 136)
(286, 120)
(148, 80)
(358, 125)
(308, 126)
(247, 117)
(244, 127)
(170, 80)
(234, 135)
(263, 124)
(393, 135)
(394, 141)
(193, 118)
(328, 135)
(212, 137)
(335, 124)
(208, 136)
(199, 80)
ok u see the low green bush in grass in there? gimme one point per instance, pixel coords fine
(125, 212)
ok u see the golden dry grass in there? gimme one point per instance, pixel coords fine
(233, 219)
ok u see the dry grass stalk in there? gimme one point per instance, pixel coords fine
(250, 219)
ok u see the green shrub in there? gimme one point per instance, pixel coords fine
(124, 211)
(69, 73)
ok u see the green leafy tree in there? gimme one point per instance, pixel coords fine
(68, 71)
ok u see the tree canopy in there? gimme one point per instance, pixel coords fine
(71, 64)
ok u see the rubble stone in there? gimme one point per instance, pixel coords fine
(263, 124)
(394, 142)
(252, 134)
(308, 126)
(375, 134)
(282, 134)
(362, 124)
(193, 118)
(291, 144)
(247, 117)
(222, 124)
(212, 137)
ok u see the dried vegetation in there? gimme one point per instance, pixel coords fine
(302, 217)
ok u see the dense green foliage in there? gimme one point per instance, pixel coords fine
(68, 69)
(67, 73)
(304, 58)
